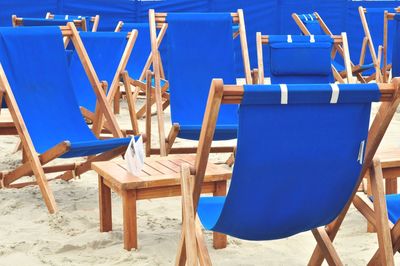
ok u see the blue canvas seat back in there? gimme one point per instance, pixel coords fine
(141, 50)
(44, 22)
(105, 50)
(396, 47)
(311, 23)
(296, 170)
(299, 59)
(34, 61)
(200, 48)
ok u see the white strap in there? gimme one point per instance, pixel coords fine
(312, 38)
(361, 152)
(335, 93)
(284, 93)
(305, 17)
(66, 17)
(289, 39)
(311, 17)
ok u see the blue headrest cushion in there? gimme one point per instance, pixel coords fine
(300, 57)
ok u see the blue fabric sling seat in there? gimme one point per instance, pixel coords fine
(311, 23)
(35, 64)
(194, 59)
(105, 51)
(140, 52)
(392, 205)
(300, 59)
(296, 170)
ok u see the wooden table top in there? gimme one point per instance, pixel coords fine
(157, 172)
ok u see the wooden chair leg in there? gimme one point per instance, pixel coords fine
(381, 216)
(129, 219)
(131, 103)
(117, 98)
(105, 206)
(188, 217)
(219, 240)
(325, 243)
(370, 227)
(148, 114)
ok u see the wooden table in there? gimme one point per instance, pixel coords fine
(160, 178)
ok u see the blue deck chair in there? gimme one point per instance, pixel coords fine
(372, 20)
(109, 53)
(41, 99)
(313, 24)
(91, 22)
(19, 21)
(140, 61)
(295, 59)
(193, 61)
(297, 169)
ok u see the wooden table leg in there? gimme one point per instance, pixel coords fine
(390, 176)
(105, 206)
(129, 219)
(219, 240)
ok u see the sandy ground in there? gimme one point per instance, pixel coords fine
(30, 236)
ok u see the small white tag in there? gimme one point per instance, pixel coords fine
(312, 39)
(335, 93)
(361, 152)
(289, 39)
(284, 93)
(134, 156)
(66, 17)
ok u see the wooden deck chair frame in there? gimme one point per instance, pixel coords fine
(356, 70)
(387, 67)
(377, 215)
(140, 84)
(19, 21)
(101, 126)
(192, 247)
(35, 162)
(160, 20)
(94, 19)
(338, 40)
(367, 41)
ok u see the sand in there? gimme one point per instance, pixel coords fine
(30, 236)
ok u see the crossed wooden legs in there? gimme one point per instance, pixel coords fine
(192, 247)
(378, 217)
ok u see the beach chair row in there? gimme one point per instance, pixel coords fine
(304, 129)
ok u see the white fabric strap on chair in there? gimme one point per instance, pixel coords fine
(305, 17)
(284, 93)
(66, 17)
(289, 39)
(311, 17)
(312, 39)
(335, 93)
